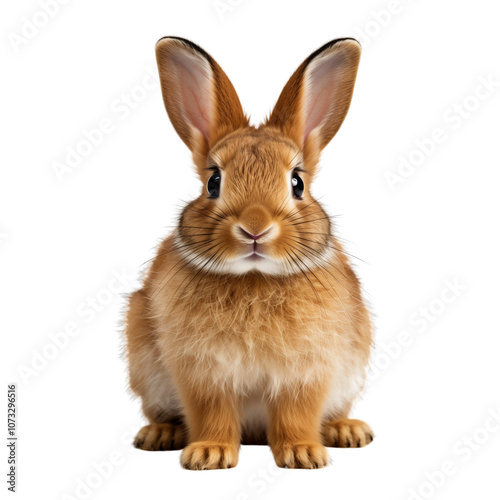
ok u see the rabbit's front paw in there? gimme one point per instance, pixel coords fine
(203, 455)
(347, 433)
(160, 437)
(300, 455)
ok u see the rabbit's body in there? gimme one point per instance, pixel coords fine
(252, 336)
(226, 346)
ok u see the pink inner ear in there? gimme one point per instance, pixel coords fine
(320, 89)
(194, 77)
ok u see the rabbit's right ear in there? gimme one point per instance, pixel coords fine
(200, 100)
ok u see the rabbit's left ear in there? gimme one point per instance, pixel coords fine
(315, 101)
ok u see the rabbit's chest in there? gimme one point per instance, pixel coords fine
(256, 339)
(255, 331)
(247, 329)
(268, 344)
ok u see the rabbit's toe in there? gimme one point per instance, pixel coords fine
(347, 433)
(300, 455)
(160, 437)
(203, 455)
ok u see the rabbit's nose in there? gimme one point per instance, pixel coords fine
(254, 237)
(254, 222)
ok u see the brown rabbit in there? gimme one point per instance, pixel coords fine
(250, 326)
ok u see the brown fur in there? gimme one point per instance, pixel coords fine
(219, 356)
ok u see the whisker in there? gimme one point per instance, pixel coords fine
(204, 215)
(192, 277)
(177, 247)
(196, 256)
(307, 215)
(308, 221)
(341, 250)
(303, 208)
(308, 268)
(190, 227)
(215, 213)
(321, 267)
(333, 265)
(304, 273)
(319, 263)
(230, 210)
(282, 206)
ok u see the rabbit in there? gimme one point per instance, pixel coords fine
(250, 327)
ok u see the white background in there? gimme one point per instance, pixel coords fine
(63, 238)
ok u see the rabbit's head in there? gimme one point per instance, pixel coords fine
(255, 212)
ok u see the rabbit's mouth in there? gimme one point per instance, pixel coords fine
(256, 252)
(255, 257)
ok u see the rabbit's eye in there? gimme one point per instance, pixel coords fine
(213, 185)
(297, 185)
